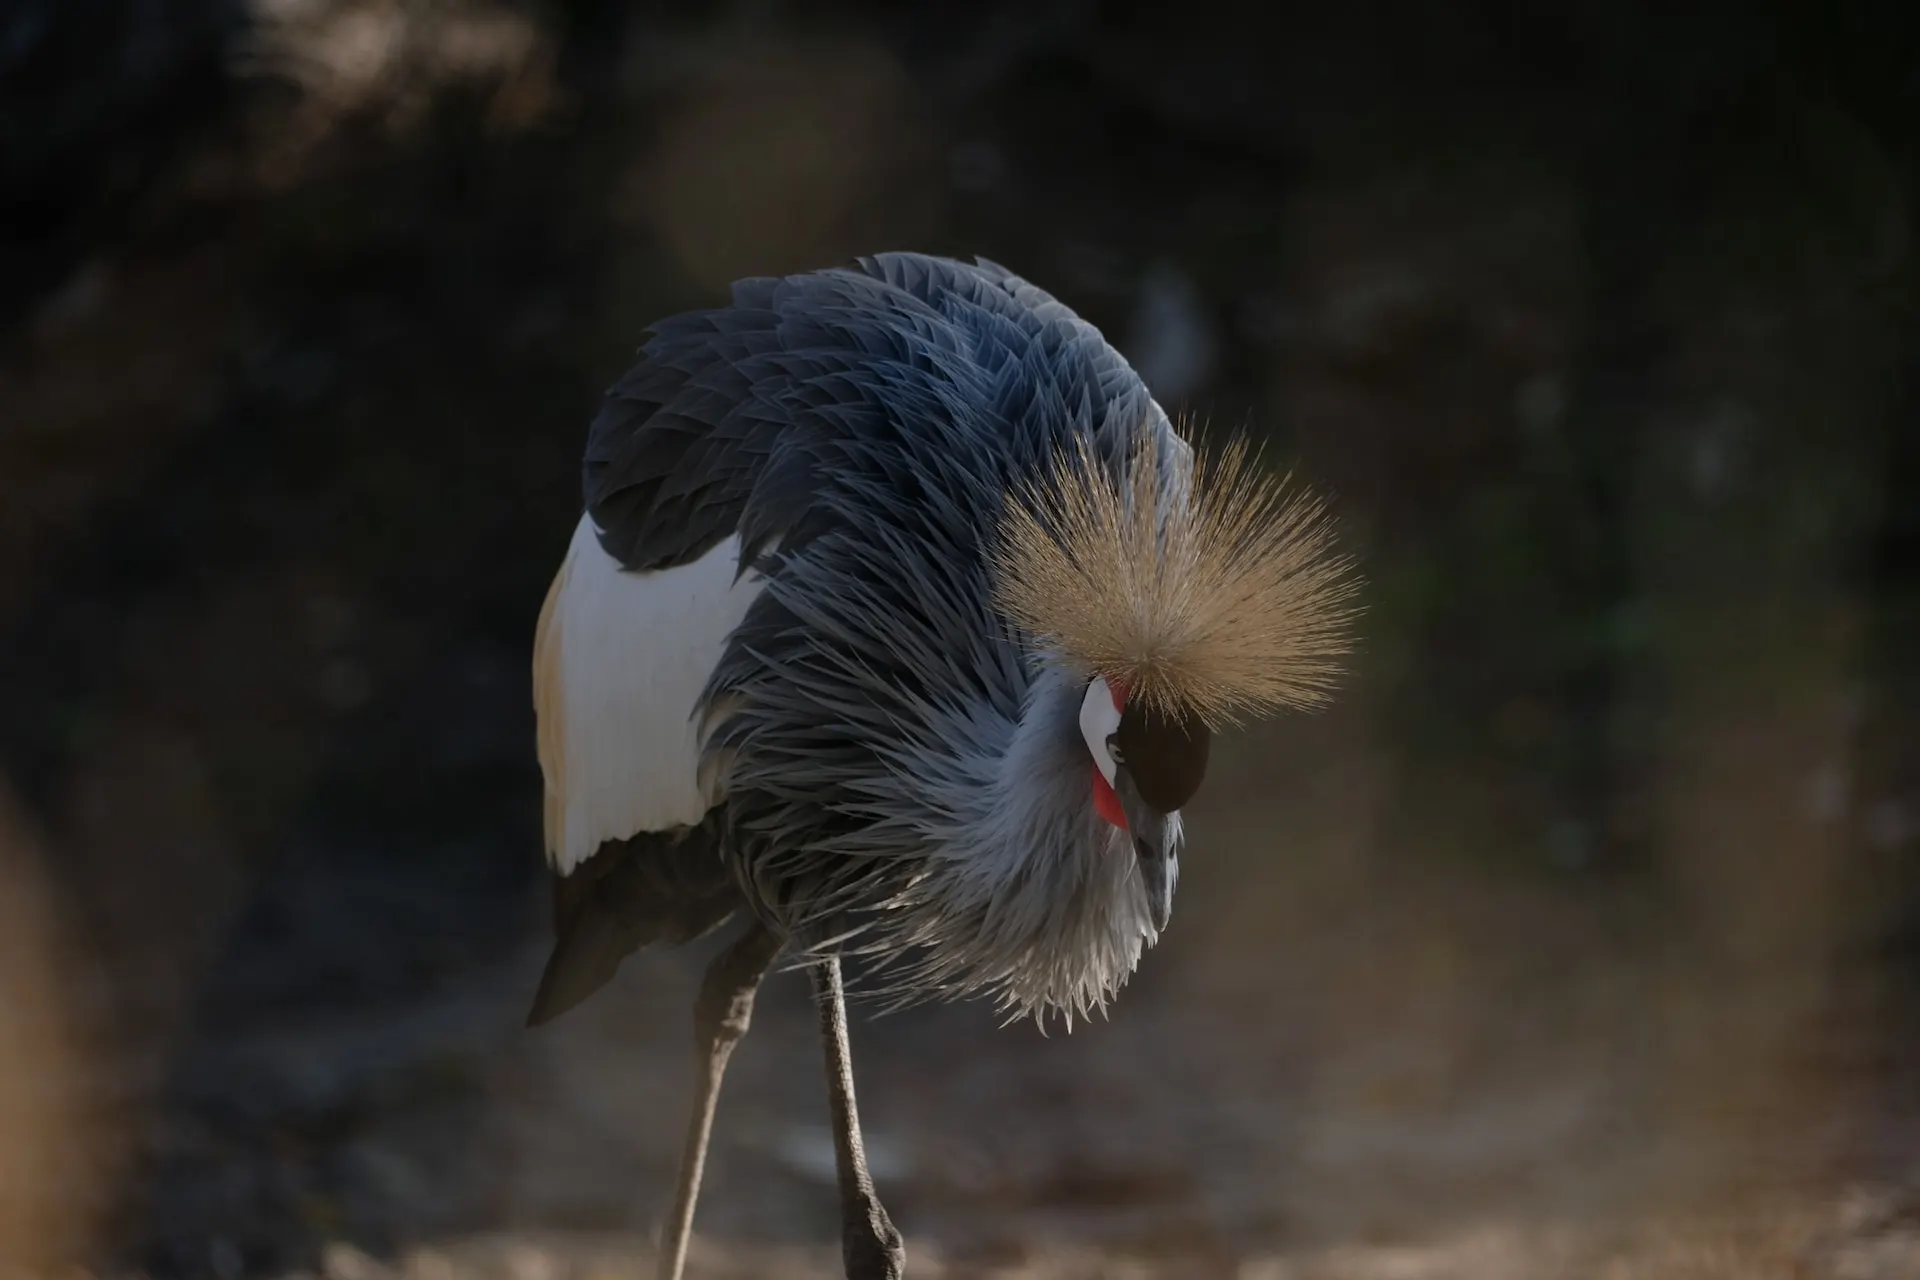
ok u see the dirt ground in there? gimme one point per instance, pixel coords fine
(1323, 1071)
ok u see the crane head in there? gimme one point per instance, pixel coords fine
(1146, 765)
(1185, 592)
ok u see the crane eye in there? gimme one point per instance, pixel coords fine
(1113, 749)
(1100, 718)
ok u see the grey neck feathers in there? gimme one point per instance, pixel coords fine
(1024, 891)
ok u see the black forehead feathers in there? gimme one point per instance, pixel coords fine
(1166, 756)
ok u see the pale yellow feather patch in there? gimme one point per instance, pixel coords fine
(1215, 589)
(549, 711)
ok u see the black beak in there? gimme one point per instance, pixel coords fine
(1159, 863)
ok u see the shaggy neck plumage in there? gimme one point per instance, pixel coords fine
(1026, 891)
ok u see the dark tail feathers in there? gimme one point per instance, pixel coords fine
(665, 887)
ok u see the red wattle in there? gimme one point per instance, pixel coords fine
(1106, 802)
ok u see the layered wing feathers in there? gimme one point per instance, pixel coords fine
(788, 504)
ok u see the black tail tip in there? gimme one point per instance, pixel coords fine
(548, 1003)
(574, 971)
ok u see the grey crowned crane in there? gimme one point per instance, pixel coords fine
(896, 627)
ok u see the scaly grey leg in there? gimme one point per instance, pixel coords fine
(869, 1242)
(720, 1018)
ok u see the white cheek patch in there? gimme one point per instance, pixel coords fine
(1099, 720)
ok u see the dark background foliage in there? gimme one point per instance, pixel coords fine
(1598, 321)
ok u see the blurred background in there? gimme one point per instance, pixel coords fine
(1581, 938)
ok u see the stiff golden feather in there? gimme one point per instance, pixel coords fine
(1210, 587)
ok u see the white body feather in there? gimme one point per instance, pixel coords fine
(619, 660)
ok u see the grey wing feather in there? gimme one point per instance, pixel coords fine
(725, 422)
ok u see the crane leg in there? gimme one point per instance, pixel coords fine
(869, 1242)
(720, 1018)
